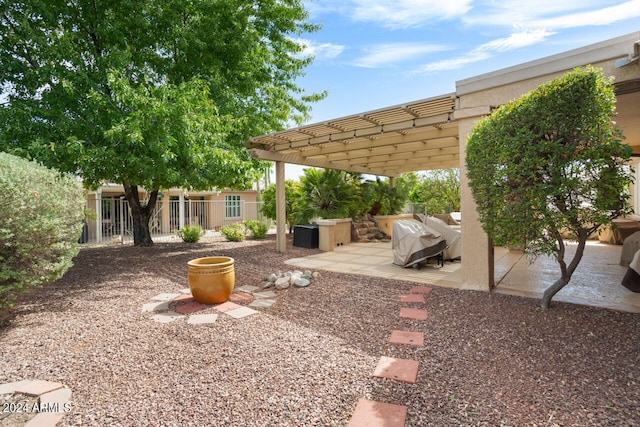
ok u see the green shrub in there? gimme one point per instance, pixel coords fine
(41, 215)
(234, 232)
(190, 233)
(257, 229)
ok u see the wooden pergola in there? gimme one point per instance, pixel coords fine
(419, 135)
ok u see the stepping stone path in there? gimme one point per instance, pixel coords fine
(379, 414)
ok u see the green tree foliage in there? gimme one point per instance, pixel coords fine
(547, 162)
(151, 93)
(41, 216)
(437, 191)
(328, 193)
(292, 191)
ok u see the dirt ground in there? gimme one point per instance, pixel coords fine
(487, 360)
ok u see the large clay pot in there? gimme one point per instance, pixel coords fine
(211, 279)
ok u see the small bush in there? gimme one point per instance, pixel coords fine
(234, 232)
(190, 233)
(257, 229)
(41, 215)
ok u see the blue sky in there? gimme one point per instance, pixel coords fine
(377, 53)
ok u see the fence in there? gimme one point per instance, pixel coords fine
(113, 221)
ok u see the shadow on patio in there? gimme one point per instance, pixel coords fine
(596, 282)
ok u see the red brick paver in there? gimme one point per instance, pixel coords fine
(405, 337)
(404, 370)
(412, 298)
(413, 313)
(240, 297)
(190, 307)
(420, 290)
(369, 413)
(226, 306)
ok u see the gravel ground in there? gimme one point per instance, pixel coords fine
(488, 359)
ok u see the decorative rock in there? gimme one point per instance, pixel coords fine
(282, 283)
(302, 283)
(315, 274)
(296, 275)
(272, 278)
(306, 274)
(269, 284)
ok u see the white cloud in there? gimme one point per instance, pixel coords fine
(321, 50)
(603, 16)
(408, 13)
(487, 50)
(392, 53)
(550, 14)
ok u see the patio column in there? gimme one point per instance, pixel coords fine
(281, 209)
(477, 250)
(99, 218)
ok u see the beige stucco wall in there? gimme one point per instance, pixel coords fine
(478, 95)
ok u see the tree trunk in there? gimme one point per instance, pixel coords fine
(141, 214)
(566, 272)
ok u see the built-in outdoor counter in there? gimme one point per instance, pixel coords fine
(385, 222)
(334, 232)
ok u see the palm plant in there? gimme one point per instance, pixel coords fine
(328, 194)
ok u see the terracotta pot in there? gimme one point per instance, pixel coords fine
(211, 279)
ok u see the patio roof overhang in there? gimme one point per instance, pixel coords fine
(419, 135)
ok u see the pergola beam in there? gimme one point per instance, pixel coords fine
(298, 160)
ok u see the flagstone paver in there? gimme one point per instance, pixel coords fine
(265, 294)
(167, 317)
(247, 288)
(404, 370)
(201, 319)
(59, 396)
(241, 312)
(164, 297)
(155, 306)
(38, 387)
(369, 413)
(10, 388)
(262, 303)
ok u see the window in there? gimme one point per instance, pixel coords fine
(232, 206)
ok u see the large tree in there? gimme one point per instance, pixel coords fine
(551, 164)
(150, 93)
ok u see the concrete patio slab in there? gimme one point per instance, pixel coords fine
(596, 282)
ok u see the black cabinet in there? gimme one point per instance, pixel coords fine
(306, 236)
